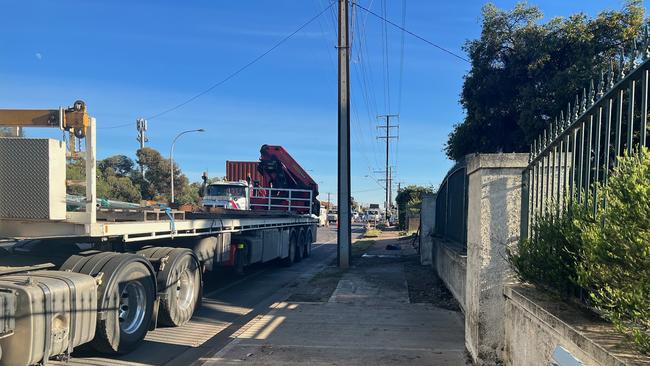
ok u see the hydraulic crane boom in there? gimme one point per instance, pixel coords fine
(74, 119)
(281, 170)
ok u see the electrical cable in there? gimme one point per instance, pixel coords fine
(231, 75)
(413, 34)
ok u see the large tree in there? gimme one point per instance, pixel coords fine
(409, 201)
(156, 184)
(523, 72)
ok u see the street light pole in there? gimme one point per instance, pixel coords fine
(171, 157)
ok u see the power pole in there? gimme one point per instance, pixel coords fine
(388, 137)
(329, 204)
(141, 125)
(344, 233)
(390, 187)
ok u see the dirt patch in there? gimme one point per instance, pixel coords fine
(323, 284)
(320, 287)
(425, 286)
(361, 246)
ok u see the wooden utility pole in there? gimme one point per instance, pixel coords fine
(344, 234)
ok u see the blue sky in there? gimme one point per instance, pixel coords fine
(130, 59)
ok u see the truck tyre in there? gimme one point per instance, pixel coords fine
(240, 262)
(298, 245)
(307, 247)
(302, 243)
(293, 250)
(179, 283)
(125, 298)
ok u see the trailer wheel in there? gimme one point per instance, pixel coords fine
(298, 246)
(125, 298)
(302, 244)
(293, 251)
(307, 245)
(179, 282)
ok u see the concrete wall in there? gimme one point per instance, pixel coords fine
(532, 334)
(494, 199)
(451, 266)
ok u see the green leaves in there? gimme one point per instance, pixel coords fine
(524, 72)
(616, 264)
(606, 255)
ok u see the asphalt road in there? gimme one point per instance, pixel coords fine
(229, 302)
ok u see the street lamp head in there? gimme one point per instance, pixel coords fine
(201, 130)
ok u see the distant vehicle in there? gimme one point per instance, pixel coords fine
(322, 217)
(355, 215)
(332, 216)
(373, 214)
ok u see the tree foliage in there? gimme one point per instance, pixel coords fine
(119, 180)
(606, 255)
(156, 184)
(615, 268)
(524, 72)
(408, 199)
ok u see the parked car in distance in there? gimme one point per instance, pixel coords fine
(373, 214)
(332, 216)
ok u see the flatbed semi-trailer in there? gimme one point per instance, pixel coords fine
(103, 278)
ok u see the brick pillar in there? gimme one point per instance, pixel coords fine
(494, 200)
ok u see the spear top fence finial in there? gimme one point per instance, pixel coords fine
(611, 75)
(533, 149)
(576, 107)
(592, 93)
(601, 85)
(646, 43)
(621, 64)
(634, 55)
(583, 103)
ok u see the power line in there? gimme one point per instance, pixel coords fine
(233, 74)
(355, 120)
(401, 60)
(413, 34)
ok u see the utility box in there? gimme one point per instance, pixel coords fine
(32, 179)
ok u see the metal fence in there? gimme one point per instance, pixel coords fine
(451, 205)
(581, 147)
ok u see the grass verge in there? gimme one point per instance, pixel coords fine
(372, 233)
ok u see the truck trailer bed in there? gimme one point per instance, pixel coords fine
(194, 224)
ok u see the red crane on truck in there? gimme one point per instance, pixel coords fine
(279, 182)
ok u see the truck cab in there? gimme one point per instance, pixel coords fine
(231, 195)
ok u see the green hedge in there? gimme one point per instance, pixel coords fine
(606, 255)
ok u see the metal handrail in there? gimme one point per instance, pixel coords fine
(269, 197)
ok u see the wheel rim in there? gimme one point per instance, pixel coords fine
(133, 304)
(185, 289)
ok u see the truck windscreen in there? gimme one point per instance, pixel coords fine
(224, 190)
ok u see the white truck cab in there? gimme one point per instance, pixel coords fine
(232, 195)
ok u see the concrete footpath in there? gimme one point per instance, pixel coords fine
(370, 318)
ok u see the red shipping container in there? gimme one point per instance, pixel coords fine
(240, 170)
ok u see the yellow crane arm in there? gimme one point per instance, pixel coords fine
(74, 119)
